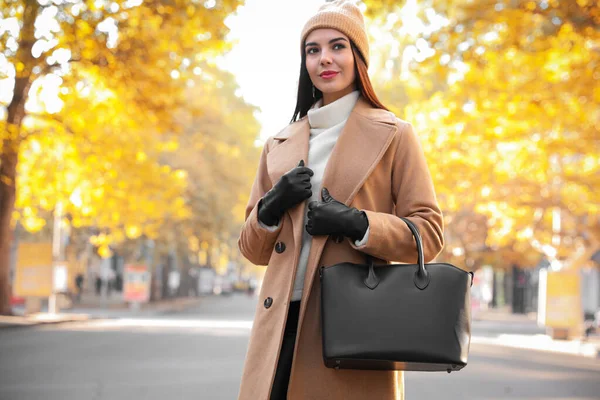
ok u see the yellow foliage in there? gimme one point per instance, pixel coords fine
(507, 107)
(104, 251)
(133, 232)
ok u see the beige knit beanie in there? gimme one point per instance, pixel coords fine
(344, 16)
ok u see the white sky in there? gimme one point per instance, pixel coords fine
(266, 59)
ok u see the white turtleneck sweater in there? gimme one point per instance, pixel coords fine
(326, 124)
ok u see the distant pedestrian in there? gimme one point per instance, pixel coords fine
(79, 285)
(376, 173)
(98, 286)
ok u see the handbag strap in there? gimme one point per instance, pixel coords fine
(421, 277)
(415, 231)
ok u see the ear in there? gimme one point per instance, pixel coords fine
(326, 196)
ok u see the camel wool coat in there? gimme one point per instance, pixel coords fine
(377, 165)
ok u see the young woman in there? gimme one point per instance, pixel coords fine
(330, 188)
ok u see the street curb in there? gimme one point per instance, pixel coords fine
(8, 322)
(174, 305)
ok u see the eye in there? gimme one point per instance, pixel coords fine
(338, 46)
(310, 50)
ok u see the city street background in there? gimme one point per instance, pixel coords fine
(198, 353)
(130, 136)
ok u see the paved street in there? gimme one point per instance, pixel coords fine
(198, 354)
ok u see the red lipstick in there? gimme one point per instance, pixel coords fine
(328, 74)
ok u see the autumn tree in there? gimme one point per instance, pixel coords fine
(505, 97)
(217, 150)
(140, 52)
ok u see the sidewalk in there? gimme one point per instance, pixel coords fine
(502, 314)
(95, 311)
(589, 347)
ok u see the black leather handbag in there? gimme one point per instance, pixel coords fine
(410, 317)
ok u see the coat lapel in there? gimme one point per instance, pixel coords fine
(284, 157)
(361, 145)
(363, 141)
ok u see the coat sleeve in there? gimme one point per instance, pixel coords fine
(256, 242)
(414, 198)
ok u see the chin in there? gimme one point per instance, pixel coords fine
(332, 89)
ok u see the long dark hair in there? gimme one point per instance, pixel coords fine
(305, 98)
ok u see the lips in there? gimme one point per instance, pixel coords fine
(328, 74)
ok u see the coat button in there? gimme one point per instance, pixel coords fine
(338, 239)
(280, 247)
(268, 302)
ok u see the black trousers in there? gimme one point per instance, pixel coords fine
(284, 365)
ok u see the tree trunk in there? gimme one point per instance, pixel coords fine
(8, 165)
(10, 147)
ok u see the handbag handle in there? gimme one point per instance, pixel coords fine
(421, 278)
(415, 231)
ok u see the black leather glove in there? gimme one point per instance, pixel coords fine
(330, 217)
(294, 187)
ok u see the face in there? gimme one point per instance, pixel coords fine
(330, 63)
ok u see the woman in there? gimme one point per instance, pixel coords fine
(330, 188)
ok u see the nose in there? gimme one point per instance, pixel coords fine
(325, 58)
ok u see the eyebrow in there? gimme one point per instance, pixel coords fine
(331, 41)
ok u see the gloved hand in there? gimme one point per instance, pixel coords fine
(294, 187)
(330, 217)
